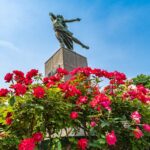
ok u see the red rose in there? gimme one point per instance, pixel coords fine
(82, 100)
(27, 144)
(83, 143)
(142, 89)
(101, 100)
(8, 121)
(137, 133)
(62, 71)
(8, 77)
(18, 73)
(97, 72)
(70, 90)
(55, 78)
(146, 127)
(98, 108)
(9, 114)
(45, 80)
(39, 92)
(111, 138)
(3, 92)
(19, 89)
(19, 76)
(86, 70)
(93, 103)
(37, 136)
(50, 84)
(74, 115)
(28, 81)
(31, 73)
(75, 71)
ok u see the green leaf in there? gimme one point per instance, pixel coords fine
(12, 100)
(102, 141)
(59, 146)
(103, 124)
(39, 107)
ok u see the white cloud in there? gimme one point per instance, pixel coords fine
(9, 46)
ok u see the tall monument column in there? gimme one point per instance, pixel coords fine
(64, 58)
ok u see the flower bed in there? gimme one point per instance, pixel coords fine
(34, 109)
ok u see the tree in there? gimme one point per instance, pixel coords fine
(142, 79)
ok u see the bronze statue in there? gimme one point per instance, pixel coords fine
(64, 36)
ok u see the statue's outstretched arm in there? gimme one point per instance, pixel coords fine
(72, 20)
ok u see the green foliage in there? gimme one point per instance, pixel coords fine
(142, 79)
(30, 115)
(9, 143)
(110, 109)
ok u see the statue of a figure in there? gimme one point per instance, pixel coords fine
(64, 36)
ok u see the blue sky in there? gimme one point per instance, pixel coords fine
(117, 31)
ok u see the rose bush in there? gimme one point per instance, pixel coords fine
(39, 113)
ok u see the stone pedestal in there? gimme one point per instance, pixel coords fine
(64, 58)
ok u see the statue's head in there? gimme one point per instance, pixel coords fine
(60, 16)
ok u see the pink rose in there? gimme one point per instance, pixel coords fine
(93, 124)
(146, 127)
(136, 116)
(83, 99)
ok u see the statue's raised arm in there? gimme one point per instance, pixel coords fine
(64, 36)
(72, 20)
(53, 17)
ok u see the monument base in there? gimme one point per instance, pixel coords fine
(64, 58)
